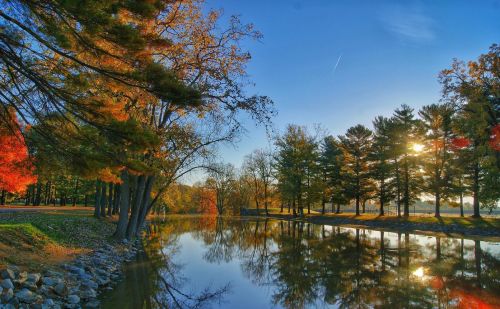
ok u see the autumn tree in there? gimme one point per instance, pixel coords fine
(221, 179)
(474, 89)
(16, 168)
(258, 166)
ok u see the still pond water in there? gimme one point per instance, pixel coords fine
(250, 263)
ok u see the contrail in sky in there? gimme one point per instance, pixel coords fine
(337, 64)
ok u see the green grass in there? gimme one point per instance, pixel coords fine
(35, 239)
(468, 222)
(71, 228)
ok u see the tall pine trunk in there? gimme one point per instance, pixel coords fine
(121, 228)
(75, 193)
(145, 204)
(475, 191)
(137, 200)
(110, 199)
(97, 203)
(102, 203)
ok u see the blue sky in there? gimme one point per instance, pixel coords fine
(390, 53)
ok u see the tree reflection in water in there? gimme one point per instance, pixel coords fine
(307, 265)
(154, 280)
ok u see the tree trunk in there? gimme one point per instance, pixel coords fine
(338, 208)
(102, 203)
(357, 204)
(47, 193)
(2, 198)
(406, 198)
(28, 196)
(110, 199)
(86, 200)
(75, 193)
(97, 206)
(265, 199)
(145, 204)
(364, 206)
(475, 191)
(38, 198)
(121, 228)
(137, 200)
(116, 201)
(437, 212)
(398, 188)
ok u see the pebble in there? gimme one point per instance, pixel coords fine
(75, 287)
(7, 284)
(26, 296)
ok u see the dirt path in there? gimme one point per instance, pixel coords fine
(11, 209)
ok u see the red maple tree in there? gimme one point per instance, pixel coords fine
(16, 169)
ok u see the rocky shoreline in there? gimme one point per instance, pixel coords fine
(75, 285)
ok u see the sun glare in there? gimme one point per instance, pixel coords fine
(418, 147)
(419, 272)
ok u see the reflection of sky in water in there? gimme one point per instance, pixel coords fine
(329, 264)
(245, 294)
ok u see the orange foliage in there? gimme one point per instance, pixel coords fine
(460, 142)
(16, 170)
(207, 201)
(495, 138)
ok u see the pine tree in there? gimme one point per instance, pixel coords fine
(381, 167)
(437, 154)
(331, 161)
(356, 146)
(407, 134)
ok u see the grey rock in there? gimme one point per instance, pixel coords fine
(73, 299)
(26, 296)
(8, 273)
(30, 286)
(102, 281)
(93, 304)
(34, 277)
(90, 283)
(7, 284)
(7, 295)
(61, 289)
(50, 281)
(88, 293)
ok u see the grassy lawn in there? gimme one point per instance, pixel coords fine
(484, 223)
(34, 239)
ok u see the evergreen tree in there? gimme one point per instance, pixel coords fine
(407, 138)
(381, 167)
(356, 144)
(331, 161)
(437, 152)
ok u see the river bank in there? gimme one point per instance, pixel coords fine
(449, 226)
(59, 259)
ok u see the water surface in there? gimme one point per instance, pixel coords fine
(259, 263)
